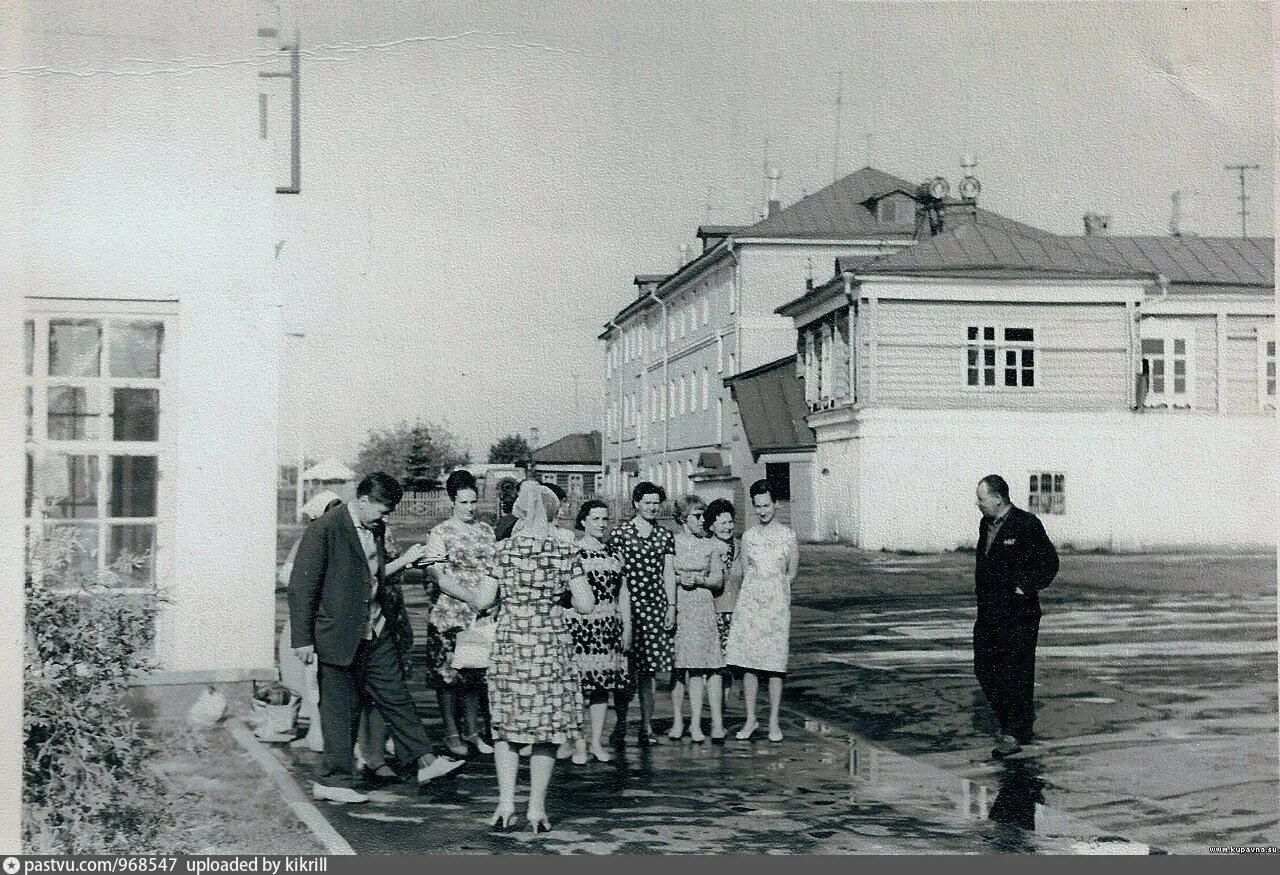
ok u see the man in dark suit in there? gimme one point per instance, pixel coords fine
(342, 612)
(1015, 560)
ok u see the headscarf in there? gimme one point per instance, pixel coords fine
(535, 508)
(319, 503)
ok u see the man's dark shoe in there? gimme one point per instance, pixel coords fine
(1006, 746)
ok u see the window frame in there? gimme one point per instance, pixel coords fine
(1002, 347)
(1057, 505)
(1266, 401)
(42, 450)
(1168, 332)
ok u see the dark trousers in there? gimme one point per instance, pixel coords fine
(375, 675)
(1004, 660)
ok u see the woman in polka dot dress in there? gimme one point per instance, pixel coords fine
(647, 553)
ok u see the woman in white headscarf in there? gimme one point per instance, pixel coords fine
(534, 694)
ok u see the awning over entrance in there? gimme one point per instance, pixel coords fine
(773, 410)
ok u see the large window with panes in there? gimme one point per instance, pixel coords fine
(999, 357)
(97, 436)
(1168, 375)
(1046, 493)
(1267, 373)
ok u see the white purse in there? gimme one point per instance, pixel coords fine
(474, 644)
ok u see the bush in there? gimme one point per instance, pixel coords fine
(89, 786)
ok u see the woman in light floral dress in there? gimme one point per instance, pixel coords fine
(759, 639)
(469, 545)
(698, 658)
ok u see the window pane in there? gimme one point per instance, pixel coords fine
(83, 557)
(1157, 367)
(31, 410)
(1157, 384)
(973, 376)
(1011, 376)
(973, 357)
(988, 333)
(1058, 504)
(1046, 482)
(133, 486)
(1179, 386)
(1179, 347)
(136, 415)
(1034, 486)
(989, 357)
(133, 547)
(1271, 348)
(1153, 347)
(989, 376)
(1028, 378)
(70, 485)
(73, 414)
(75, 348)
(1179, 367)
(1057, 482)
(1028, 358)
(1019, 335)
(1011, 357)
(973, 332)
(31, 483)
(30, 332)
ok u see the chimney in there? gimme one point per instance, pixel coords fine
(1096, 225)
(773, 174)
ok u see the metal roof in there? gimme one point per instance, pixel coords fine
(1189, 260)
(974, 246)
(772, 407)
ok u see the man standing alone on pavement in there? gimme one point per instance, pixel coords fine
(1015, 560)
(339, 593)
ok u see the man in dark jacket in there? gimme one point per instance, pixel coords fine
(342, 611)
(1015, 560)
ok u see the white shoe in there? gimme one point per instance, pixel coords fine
(340, 795)
(438, 768)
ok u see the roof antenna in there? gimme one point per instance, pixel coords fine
(1242, 169)
(835, 146)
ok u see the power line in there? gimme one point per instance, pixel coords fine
(1243, 169)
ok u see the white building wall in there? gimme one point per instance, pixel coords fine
(1133, 480)
(155, 187)
(1081, 354)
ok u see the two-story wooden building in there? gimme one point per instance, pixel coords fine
(1125, 387)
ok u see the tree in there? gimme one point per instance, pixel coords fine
(419, 465)
(512, 448)
(389, 449)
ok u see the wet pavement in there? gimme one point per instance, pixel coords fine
(1157, 708)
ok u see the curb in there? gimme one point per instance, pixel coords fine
(290, 791)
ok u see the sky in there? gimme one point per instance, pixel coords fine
(481, 182)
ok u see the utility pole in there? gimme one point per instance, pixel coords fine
(1243, 169)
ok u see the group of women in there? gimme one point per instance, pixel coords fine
(603, 614)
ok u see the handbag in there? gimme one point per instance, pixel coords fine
(473, 645)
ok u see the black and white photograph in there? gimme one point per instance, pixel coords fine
(762, 427)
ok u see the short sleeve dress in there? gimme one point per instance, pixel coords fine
(759, 638)
(697, 644)
(534, 693)
(469, 547)
(642, 561)
(597, 637)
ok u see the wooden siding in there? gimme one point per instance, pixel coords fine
(1081, 355)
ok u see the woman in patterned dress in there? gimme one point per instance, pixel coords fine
(647, 553)
(761, 629)
(599, 638)
(534, 694)
(698, 658)
(469, 544)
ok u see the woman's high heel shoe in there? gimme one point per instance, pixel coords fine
(539, 823)
(747, 731)
(502, 821)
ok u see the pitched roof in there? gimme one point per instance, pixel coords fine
(772, 407)
(1189, 260)
(976, 247)
(329, 469)
(580, 448)
(840, 212)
